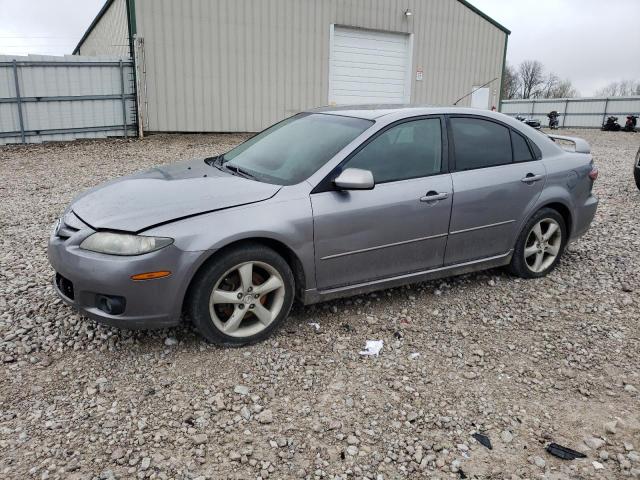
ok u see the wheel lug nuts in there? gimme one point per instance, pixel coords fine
(250, 289)
(252, 306)
(256, 296)
(239, 296)
(241, 306)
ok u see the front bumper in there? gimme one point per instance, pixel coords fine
(148, 304)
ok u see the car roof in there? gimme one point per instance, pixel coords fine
(391, 113)
(372, 112)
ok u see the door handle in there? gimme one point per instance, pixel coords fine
(530, 178)
(433, 197)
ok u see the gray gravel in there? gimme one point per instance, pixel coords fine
(525, 362)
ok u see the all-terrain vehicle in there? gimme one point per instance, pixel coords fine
(532, 122)
(630, 124)
(611, 124)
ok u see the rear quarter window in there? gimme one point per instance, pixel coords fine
(521, 151)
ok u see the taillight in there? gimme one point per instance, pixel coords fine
(593, 174)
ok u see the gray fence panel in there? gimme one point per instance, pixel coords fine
(63, 98)
(575, 112)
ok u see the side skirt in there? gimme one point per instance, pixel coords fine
(315, 296)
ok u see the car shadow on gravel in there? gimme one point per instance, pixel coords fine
(335, 314)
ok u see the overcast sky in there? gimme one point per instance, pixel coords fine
(591, 42)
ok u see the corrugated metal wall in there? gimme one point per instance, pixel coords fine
(110, 36)
(62, 101)
(575, 112)
(241, 65)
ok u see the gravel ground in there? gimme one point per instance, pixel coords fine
(525, 362)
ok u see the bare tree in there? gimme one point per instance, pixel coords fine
(622, 88)
(548, 87)
(531, 77)
(563, 89)
(510, 83)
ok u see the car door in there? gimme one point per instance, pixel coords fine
(496, 182)
(399, 226)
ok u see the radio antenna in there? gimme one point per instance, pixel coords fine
(473, 91)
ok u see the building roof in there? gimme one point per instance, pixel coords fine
(108, 3)
(485, 16)
(93, 24)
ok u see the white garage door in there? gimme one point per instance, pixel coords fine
(369, 67)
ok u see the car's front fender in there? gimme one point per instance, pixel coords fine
(288, 221)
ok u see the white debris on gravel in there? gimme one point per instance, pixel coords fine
(372, 348)
(548, 360)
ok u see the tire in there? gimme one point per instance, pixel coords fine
(636, 175)
(254, 291)
(541, 257)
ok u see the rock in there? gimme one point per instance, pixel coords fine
(352, 440)
(170, 341)
(506, 436)
(146, 462)
(610, 427)
(352, 450)
(537, 461)
(266, 416)
(200, 439)
(117, 454)
(597, 465)
(241, 390)
(594, 443)
(630, 388)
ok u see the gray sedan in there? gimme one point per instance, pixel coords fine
(328, 203)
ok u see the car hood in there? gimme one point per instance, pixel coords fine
(165, 194)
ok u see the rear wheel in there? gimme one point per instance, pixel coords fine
(242, 296)
(540, 245)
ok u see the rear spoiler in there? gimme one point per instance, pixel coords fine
(581, 146)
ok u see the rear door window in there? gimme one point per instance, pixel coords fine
(480, 143)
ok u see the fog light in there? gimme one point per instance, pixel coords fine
(111, 304)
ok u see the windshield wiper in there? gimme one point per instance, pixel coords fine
(239, 171)
(215, 161)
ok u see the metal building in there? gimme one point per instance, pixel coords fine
(241, 65)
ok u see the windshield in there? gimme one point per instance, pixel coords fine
(292, 150)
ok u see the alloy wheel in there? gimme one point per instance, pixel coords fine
(543, 245)
(246, 299)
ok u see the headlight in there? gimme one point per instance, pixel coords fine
(123, 243)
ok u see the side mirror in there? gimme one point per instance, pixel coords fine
(354, 179)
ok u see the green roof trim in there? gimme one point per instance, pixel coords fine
(132, 20)
(93, 24)
(504, 69)
(485, 16)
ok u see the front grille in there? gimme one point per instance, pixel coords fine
(65, 286)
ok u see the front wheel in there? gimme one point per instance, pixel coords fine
(636, 175)
(241, 296)
(540, 245)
